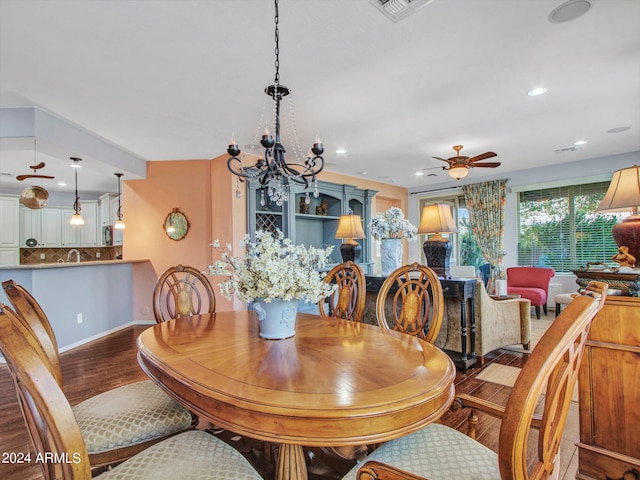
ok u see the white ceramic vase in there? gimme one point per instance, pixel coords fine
(277, 318)
(391, 254)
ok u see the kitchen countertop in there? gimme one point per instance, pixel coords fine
(39, 266)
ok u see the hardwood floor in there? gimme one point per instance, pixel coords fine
(111, 361)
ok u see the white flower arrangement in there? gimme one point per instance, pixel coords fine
(392, 224)
(273, 269)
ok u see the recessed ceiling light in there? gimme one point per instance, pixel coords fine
(580, 142)
(618, 129)
(536, 91)
(419, 174)
(341, 150)
(569, 11)
(62, 184)
(75, 165)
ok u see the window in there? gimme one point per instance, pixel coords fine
(558, 227)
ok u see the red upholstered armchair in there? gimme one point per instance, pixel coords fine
(531, 283)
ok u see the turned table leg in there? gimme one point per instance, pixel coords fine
(291, 464)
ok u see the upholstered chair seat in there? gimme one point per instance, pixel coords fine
(194, 455)
(129, 415)
(422, 453)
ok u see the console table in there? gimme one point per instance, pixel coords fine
(461, 289)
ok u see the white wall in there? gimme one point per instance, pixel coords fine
(583, 171)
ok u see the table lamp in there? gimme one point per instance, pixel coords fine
(436, 219)
(350, 227)
(624, 194)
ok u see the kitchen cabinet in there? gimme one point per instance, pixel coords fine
(308, 227)
(41, 225)
(50, 227)
(118, 235)
(10, 221)
(89, 235)
(9, 256)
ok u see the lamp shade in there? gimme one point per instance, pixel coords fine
(350, 226)
(623, 192)
(437, 218)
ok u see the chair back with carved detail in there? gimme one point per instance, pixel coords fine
(411, 301)
(182, 291)
(552, 370)
(47, 413)
(59, 441)
(348, 300)
(32, 316)
(540, 399)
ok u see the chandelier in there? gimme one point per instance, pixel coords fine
(271, 169)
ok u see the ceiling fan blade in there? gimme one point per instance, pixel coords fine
(38, 166)
(485, 165)
(482, 157)
(23, 177)
(443, 159)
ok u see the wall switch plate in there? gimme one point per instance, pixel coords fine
(42, 256)
(79, 316)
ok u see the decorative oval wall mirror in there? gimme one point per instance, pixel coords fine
(176, 225)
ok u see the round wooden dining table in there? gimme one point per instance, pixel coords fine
(335, 383)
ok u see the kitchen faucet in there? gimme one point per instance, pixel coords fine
(77, 255)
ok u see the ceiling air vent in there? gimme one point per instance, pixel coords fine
(565, 149)
(396, 10)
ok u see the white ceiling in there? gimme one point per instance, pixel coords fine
(173, 79)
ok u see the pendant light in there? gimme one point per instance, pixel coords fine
(119, 225)
(76, 218)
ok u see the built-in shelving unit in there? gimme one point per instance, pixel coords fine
(310, 226)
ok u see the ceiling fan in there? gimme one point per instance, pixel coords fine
(459, 165)
(34, 197)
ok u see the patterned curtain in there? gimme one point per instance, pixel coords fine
(485, 202)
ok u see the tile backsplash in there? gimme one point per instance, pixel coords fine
(33, 256)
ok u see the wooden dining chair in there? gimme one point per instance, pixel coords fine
(61, 443)
(348, 300)
(118, 423)
(182, 291)
(548, 378)
(411, 301)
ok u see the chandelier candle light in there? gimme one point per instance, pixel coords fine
(272, 170)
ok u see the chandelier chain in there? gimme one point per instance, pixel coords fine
(277, 50)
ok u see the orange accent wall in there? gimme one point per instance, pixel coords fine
(204, 190)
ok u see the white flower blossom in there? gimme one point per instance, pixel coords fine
(392, 224)
(273, 268)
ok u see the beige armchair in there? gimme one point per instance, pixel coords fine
(499, 323)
